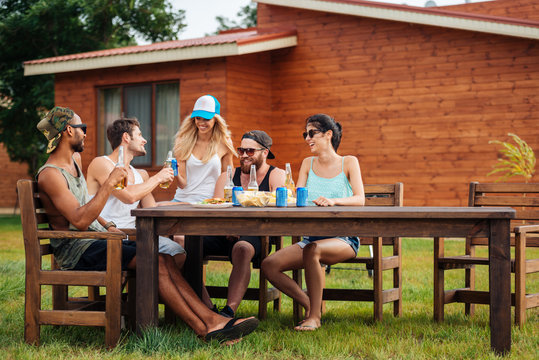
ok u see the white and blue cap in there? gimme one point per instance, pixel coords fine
(206, 107)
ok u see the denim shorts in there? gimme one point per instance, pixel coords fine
(353, 241)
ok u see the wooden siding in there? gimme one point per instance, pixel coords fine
(418, 104)
(248, 91)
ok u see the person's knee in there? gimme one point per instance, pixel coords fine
(311, 250)
(242, 252)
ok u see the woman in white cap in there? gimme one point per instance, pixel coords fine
(203, 148)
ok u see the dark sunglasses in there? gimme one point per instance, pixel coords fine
(80, 126)
(248, 151)
(311, 133)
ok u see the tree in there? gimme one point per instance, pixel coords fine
(246, 15)
(36, 29)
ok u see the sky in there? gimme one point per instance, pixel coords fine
(200, 14)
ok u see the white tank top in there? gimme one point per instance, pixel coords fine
(118, 211)
(201, 179)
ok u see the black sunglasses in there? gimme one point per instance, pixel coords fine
(311, 133)
(80, 126)
(248, 151)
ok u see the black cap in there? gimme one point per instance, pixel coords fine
(262, 138)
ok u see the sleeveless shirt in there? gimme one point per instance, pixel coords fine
(201, 179)
(263, 186)
(335, 187)
(118, 211)
(67, 252)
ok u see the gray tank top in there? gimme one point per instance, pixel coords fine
(67, 252)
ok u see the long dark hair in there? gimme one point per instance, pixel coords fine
(324, 123)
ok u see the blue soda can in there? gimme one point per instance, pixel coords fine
(282, 197)
(301, 196)
(174, 165)
(235, 201)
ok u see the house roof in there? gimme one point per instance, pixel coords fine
(234, 42)
(434, 16)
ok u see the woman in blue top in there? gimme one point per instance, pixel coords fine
(331, 179)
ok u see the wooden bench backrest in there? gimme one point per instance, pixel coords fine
(524, 198)
(384, 195)
(33, 216)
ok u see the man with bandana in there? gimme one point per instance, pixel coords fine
(65, 197)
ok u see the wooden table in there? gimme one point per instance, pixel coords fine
(340, 220)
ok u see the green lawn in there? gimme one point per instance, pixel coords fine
(348, 331)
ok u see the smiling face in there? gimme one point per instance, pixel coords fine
(258, 158)
(137, 142)
(315, 137)
(204, 126)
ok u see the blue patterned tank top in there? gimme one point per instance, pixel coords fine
(335, 187)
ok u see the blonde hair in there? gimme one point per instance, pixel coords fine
(187, 136)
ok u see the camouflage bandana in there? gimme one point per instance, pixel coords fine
(53, 124)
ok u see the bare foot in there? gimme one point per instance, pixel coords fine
(308, 325)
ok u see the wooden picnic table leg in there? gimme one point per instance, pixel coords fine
(147, 274)
(500, 286)
(194, 263)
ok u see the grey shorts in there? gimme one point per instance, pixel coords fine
(169, 247)
(353, 241)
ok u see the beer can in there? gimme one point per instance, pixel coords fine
(235, 189)
(301, 196)
(174, 166)
(282, 197)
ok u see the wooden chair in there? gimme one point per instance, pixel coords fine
(263, 294)
(525, 233)
(96, 310)
(375, 195)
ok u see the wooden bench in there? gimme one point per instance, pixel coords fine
(95, 310)
(375, 195)
(524, 198)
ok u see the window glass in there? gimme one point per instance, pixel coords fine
(167, 119)
(110, 109)
(157, 108)
(138, 104)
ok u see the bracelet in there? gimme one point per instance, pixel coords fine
(109, 224)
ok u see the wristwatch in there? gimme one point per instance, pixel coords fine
(109, 224)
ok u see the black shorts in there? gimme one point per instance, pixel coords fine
(220, 245)
(95, 257)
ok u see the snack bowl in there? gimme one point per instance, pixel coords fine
(253, 198)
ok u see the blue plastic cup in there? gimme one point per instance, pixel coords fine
(301, 196)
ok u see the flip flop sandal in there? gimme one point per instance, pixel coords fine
(231, 331)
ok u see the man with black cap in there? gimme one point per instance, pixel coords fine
(64, 195)
(254, 150)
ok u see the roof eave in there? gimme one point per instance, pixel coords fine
(160, 56)
(403, 14)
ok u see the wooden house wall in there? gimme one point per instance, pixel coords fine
(418, 104)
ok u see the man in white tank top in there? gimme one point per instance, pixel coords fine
(138, 192)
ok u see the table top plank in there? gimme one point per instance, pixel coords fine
(404, 212)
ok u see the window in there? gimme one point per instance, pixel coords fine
(157, 108)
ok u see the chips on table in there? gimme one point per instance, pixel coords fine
(253, 198)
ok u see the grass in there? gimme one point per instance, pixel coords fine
(348, 331)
